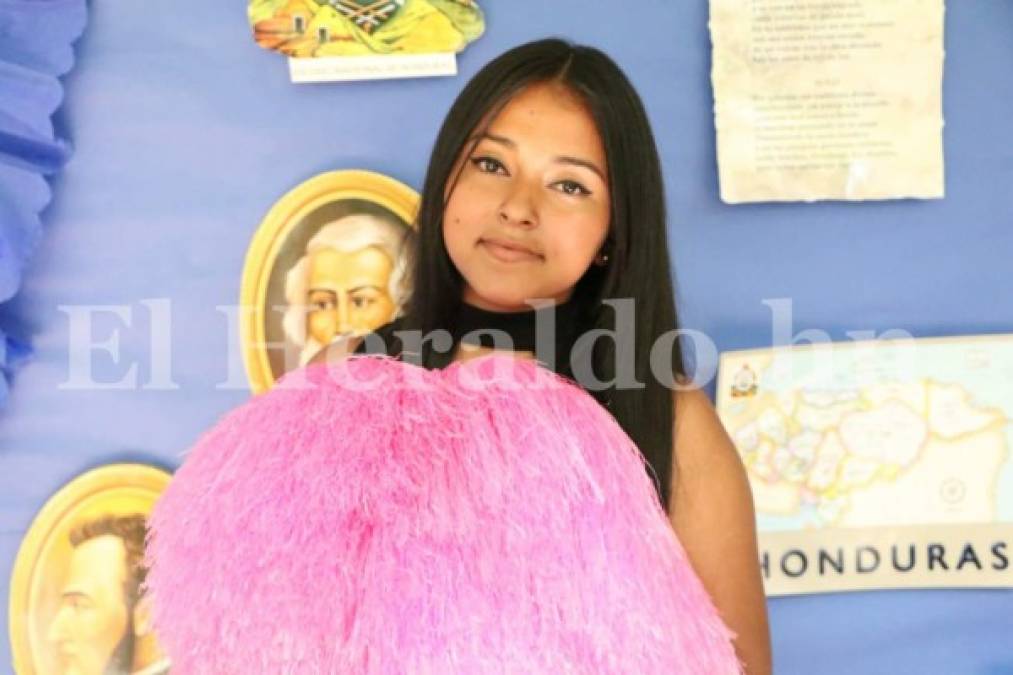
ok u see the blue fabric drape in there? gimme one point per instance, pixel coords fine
(36, 38)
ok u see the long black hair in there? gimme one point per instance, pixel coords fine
(638, 265)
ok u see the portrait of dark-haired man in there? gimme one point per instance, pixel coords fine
(103, 624)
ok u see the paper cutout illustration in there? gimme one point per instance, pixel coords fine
(312, 28)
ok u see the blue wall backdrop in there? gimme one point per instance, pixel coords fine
(186, 132)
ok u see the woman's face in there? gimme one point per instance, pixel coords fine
(530, 210)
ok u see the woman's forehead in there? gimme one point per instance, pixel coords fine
(549, 116)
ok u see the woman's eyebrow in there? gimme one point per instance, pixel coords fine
(493, 137)
(577, 161)
(563, 159)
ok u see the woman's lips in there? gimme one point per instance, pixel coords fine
(506, 252)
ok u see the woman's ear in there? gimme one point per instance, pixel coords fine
(604, 253)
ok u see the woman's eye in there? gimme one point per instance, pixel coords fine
(573, 188)
(360, 303)
(487, 164)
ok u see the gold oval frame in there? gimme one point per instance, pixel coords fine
(131, 484)
(274, 230)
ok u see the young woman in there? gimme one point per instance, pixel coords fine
(544, 188)
(339, 524)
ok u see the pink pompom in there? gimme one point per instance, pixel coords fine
(375, 517)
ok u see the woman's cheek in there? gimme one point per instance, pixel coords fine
(480, 194)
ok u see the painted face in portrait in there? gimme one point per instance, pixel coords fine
(93, 617)
(349, 282)
(348, 292)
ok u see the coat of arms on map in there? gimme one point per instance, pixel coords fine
(322, 28)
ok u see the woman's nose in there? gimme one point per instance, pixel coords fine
(519, 206)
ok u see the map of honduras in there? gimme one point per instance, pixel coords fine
(877, 464)
(870, 434)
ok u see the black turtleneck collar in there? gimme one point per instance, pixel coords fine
(557, 321)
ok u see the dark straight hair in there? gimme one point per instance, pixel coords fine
(638, 265)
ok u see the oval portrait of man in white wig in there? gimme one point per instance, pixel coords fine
(329, 262)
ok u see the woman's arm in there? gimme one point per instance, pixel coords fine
(712, 513)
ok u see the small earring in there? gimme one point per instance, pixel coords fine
(602, 259)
